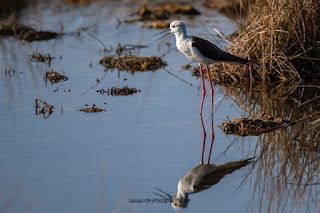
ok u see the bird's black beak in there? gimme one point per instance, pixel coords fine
(165, 31)
(161, 32)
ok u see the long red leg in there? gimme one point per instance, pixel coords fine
(212, 138)
(203, 89)
(204, 139)
(211, 87)
(212, 134)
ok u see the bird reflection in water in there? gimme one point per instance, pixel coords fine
(201, 177)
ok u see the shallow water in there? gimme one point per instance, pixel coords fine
(98, 162)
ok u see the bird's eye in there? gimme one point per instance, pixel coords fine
(173, 26)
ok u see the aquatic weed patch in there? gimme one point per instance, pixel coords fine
(127, 60)
(132, 63)
(55, 77)
(114, 91)
(13, 27)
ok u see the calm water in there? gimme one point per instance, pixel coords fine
(97, 162)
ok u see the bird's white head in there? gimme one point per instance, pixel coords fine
(178, 27)
(181, 203)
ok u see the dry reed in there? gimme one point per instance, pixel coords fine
(273, 34)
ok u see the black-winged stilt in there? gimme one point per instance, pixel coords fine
(201, 51)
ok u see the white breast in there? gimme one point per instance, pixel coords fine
(185, 46)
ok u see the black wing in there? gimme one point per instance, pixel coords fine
(219, 172)
(213, 52)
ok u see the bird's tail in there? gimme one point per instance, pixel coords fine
(242, 60)
(232, 166)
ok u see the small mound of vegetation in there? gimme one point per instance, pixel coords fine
(115, 91)
(13, 27)
(163, 12)
(164, 24)
(229, 8)
(55, 77)
(91, 109)
(38, 57)
(253, 126)
(127, 61)
(132, 63)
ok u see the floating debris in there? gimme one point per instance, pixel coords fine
(254, 126)
(114, 91)
(10, 72)
(92, 109)
(186, 67)
(133, 63)
(13, 27)
(55, 77)
(45, 110)
(38, 57)
(128, 48)
(163, 12)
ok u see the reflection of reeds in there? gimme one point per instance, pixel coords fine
(275, 33)
(287, 174)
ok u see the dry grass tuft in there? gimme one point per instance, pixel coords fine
(115, 91)
(162, 12)
(254, 126)
(132, 63)
(275, 33)
(14, 27)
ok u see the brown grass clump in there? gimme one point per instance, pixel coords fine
(163, 12)
(115, 91)
(230, 8)
(125, 58)
(44, 58)
(275, 33)
(254, 126)
(55, 77)
(164, 24)
(91, 109)
(13, 27)
(132, 63)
